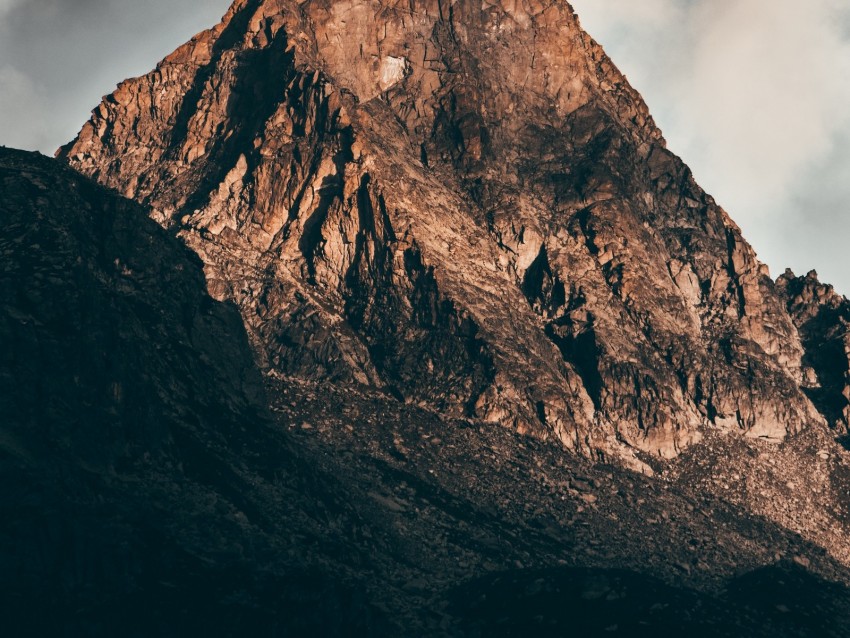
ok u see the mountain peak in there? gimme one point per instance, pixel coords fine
(466, 205)
(515, 57)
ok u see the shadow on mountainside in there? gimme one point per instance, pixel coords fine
(143, 491)
(153, 484)
(779, 600)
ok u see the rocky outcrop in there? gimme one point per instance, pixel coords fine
(149, 487)
(111, 344)
(464, 204)
(822, 317)
(433, 218)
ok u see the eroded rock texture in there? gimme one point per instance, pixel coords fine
(822, 317)
(465, 204)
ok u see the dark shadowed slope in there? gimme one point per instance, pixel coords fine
(445, 226)
(148, 490)
(143, 491)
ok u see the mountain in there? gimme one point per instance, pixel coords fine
(822, 318)
(465, 205)
(152, 488)
(136, 444)
(513, 370)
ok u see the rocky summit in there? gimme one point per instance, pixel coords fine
(466, 205)
(503, 368)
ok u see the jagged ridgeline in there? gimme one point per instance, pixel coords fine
(466, 205)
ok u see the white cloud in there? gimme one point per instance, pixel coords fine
(645, 14)
(767, 94)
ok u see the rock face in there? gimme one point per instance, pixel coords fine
(822, 317)
(466, 205)
(434, 218)
(149, 487)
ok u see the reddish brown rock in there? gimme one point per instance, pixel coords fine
(822, 317)
(465, 204)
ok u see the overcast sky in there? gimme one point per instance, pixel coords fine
(58, 57)
(753, 94)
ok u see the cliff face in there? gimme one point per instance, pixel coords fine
(822, 317)
(466, 205)
(149, 487)
(146, 489)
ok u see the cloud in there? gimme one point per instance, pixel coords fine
(7, 5)
(60, 56)
(647, 14)
(21, 97)
(772, 86)
(753, 95)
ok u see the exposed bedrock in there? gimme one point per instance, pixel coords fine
(466, 205)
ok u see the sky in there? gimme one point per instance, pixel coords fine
(754, 95)
(59, 57)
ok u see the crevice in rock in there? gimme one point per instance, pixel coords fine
(312, 241)
(731, 247)
(588, 234)
(540, 410)
(389, 233)
(331, 193)
(319, 135)
(544, 290)
(190, 104)
(365, 212)
(582, 352)
(701, 399)
(255, 96)
(822, 318)
(415, 336)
